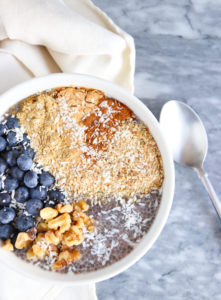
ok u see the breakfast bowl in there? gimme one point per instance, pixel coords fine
(38, 85)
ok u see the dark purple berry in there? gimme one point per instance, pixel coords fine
(17, 173)
(24, 162)
(46, 179)
(3, 129)
(29, 152)
(21, 194)
(12, 123)
(31, 179)
(7, 214)
(11, 157)
(10, 184)
(5, 199)
(3, 166)
(25, 222)
(56, 195)
(34, 206)
(12, 139)
(6, 231)
(39, 192)
(2, 144)
(50, 203)
(25, 140)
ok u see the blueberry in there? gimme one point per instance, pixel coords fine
(7, 214)
(46, 179)
(38, 193)
(12, 123)
(17, 173)
(6, 231)
(53, 195)
(11, 157)
(3, 129)
(29, 152)
(56, 195)
(50, 204)
(14, 238)
(5, 199)
(11, 184)
(12, 139)
(21, 194)
(1, 184)
(25, 139)
(3, 154)
(31, 179)
(61, 197)
(3, 166)
(33, 206)
(25, 222)
(2, 144)
(24, 162)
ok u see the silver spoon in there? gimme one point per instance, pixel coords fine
(187, 139)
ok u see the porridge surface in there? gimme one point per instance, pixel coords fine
(119, 227)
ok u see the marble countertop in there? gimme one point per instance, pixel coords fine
(178, 46)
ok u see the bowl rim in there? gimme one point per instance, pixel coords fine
(38, 84)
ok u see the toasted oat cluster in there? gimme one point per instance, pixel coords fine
(59, 231)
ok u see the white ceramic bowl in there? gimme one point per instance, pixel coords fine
(35, 85)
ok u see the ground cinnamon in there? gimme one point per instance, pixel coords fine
(102, 123)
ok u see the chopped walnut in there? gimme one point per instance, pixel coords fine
(42, 226)
(48, 213)
(59, 264)
(7, 245)
(64, 208)
(52, 237)
(61, 230)
(59, 221)
(23, 240)
(38, 251)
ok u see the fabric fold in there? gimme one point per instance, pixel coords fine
(69, 36)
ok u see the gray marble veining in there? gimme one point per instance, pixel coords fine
(178, 46)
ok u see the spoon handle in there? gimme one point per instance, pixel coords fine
(212, 194)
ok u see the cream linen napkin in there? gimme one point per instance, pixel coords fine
(68, 36)
(47, 36)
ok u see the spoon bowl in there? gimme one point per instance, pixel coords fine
(185, 133)
(188, 141)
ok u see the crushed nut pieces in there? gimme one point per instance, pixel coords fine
(59, 231)
(7, 245)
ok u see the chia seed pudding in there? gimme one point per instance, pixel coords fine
(80, 180)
